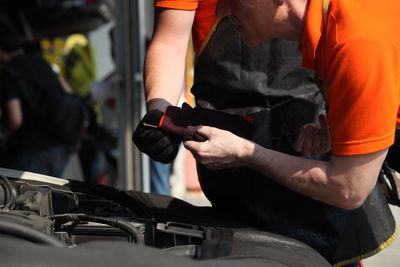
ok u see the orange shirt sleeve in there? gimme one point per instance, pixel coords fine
(177, 4)
(363, 76)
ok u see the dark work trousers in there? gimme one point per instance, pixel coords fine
(50, 161)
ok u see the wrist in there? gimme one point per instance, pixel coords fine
(246, 152)
(158, 104)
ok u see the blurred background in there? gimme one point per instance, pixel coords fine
(98, 48)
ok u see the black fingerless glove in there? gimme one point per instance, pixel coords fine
(157, 143)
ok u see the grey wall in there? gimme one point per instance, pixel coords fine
(149, 9)
(101, 43)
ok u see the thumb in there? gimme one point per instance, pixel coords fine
(204, 131)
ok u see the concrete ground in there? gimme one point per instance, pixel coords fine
(389, 257)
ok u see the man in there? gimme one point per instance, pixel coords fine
(264, 82)
(261, 82)
(357, 58)
(29, 145)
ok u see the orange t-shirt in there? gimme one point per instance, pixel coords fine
(205, 17)
(359, 58)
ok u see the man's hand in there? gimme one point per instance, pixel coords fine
(222, 149)
(153, 141)
(313, 139)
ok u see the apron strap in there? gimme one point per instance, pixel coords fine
(209, 35)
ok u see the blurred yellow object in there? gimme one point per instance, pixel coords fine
(81, 67)
(53, 52)
(75, 39)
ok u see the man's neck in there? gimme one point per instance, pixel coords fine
(297, 15)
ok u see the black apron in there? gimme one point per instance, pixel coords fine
(267, 83)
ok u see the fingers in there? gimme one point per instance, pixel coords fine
(219, 151)
(192, 146)
(201, 134)
(314, 139)
(311, 141)
(298, 144)
(306, 141)
(204, 131)
(199, 152)
(325, 134)
(323, 122)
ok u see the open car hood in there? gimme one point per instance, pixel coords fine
(50, 18)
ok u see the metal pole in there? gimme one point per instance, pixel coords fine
(130, 51)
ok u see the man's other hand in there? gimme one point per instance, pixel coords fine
(153, 141)
(313, 139)
(221, 150)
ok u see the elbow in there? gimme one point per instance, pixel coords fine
(351, 191)
(351, 204)
(351, 199)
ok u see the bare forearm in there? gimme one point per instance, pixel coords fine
(15, 115)
(165, 60)
(308, 177)
(164, 76)
(333, 182)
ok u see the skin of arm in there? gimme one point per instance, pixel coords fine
(164, 68)
(15, 117)
(344, 181)
(65, 85)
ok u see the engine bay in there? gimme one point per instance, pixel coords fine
(75, 218)
(68, 216)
